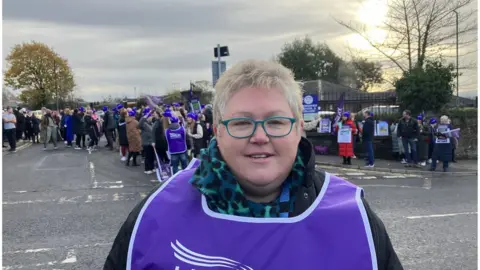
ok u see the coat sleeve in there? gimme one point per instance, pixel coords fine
(117, 258)
(387, 258)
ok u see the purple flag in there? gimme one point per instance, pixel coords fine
(339, 111)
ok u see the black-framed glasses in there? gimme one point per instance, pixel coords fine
(243, 127)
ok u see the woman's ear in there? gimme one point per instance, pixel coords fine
(215, 130)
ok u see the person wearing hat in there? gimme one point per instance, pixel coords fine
(176, 141)
(254, 199)
(108, 127)
(345, 147)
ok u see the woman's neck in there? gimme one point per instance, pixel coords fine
(263, 198)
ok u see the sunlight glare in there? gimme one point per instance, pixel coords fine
(373, 12)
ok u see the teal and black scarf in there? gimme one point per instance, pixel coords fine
(224, 195)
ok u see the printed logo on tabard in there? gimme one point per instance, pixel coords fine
(203, 261)
(308, 99)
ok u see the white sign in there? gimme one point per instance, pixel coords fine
(344, 135)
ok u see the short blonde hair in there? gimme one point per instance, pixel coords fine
(258, 74)
(444, 120)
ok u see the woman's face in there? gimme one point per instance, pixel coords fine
(259, 176)
(344, 118)
(189, 120)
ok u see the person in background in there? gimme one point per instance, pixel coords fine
(177, 143)
(255, 197)
(443, 146)
(454, 140)
(197, 132)
(28, 126)
(368, 133)
(145, 126)
(56, 118)
(422, 143)
(431, 138)
(9, 121)
(51, 130)
(63, 131)
(90, 127)
(80, 129)
(122, 134)
(160, 142)
(67, 121)
(356, 137)
(345, 150)
(395, 146)
(20, 126)
(108, 127)
(35, 129)
(134, 139)
(409, 131)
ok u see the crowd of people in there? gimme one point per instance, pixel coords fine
(168, 135)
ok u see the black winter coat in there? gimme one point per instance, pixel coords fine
(386, 257)
(79, 124)
(122, 132)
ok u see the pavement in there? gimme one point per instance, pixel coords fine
(462, 167)
(62, 209)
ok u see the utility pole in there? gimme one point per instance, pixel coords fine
(458, 79)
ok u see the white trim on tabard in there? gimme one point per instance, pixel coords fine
(270, 220)
(144, 208)
(368, 229)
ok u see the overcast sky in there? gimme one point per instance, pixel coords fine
(116, 45)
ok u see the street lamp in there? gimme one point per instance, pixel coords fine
(458, 82)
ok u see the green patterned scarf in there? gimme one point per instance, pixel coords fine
(224, 195)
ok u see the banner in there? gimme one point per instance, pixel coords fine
(195, 106)
(164, 170)
(310, 107)
(339, 111)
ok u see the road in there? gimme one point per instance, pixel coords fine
(62, 210)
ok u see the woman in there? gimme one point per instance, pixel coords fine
(79, 128)
(122, 134)
(431, 138)
(134, 139)
(255, 201)
(196, 131)
(145, 126)
(35, 129)
(160, 142)
(91, 128)
(345, 149)
(28, 126)
(442, 150)
(68, 125)
(454, 140)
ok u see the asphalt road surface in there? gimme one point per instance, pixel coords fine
(62, 210)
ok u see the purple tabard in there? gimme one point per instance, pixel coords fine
(177, 231)
(176, 140)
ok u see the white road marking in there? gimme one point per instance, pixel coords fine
(354, 173)
(92, 198)
(93, 178)
(442, 215)
(117, 186)
(27, 202)
(71, 257)
(389, 186)
(393, 176)
(20, 191)
(367, 177)
(37, 250)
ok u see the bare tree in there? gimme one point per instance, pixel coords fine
(421, 29)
